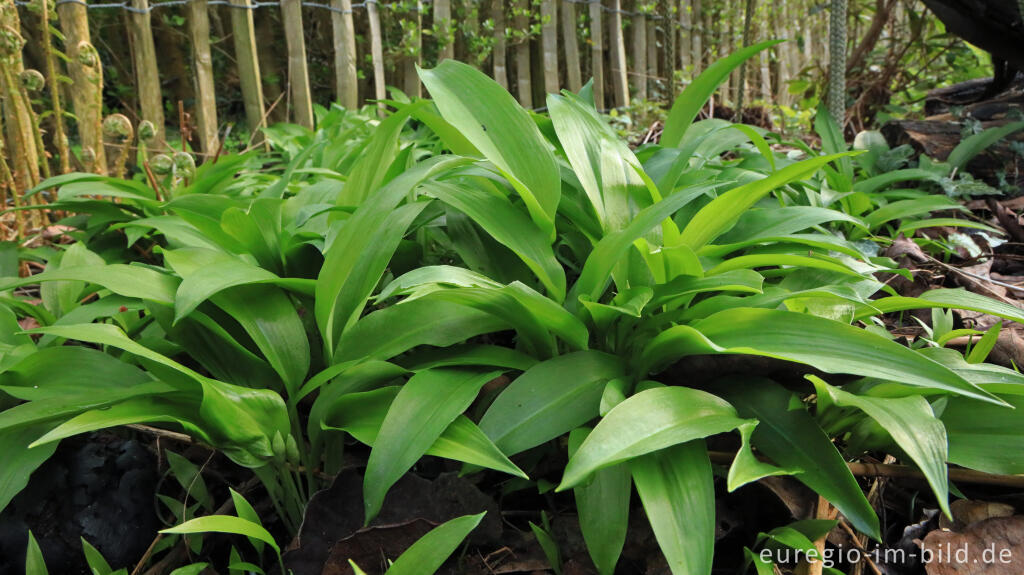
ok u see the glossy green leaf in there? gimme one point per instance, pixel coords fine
(646, 422)
(831, 346)
(986, 437)
(493, 121)
(129, 281)
(603, 508)
(225, 524)
(550, 399)
(689, 103)
(912, 425)
(94, 559)
(20, 460)
(793, 440)
(355, 259)
(426, 405)
(973, 145)
(677, 490)
(34, 562)
(722, 213)
(510, 227)
(388, 332)
(428, 553)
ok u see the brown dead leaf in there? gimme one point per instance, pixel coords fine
(27, 323)
(990, 547)
(968, 511)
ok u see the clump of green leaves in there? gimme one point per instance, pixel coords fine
(370, 280)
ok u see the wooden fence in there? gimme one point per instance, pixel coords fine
(632, 51)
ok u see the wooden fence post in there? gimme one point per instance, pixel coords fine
(500, 61)
(147, 77)
(669, 20)
(346, 77)
(549, 44)
(597, 53)
(617, 43)
(86, 83)
(206, 100)
(60, 138)
(639, 44)
(652, 53)
(471, 28)
(376, 51)
(298, 75)
(443, 29)
(697, 36)
(572, 47)
(17, 112)
(242, 29)
(524, 84)
(411, 83)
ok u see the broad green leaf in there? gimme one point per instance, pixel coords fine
(63, 296)
(603, 508)
(646, 422)
(742, 280)
(225, 524)
(129, 281)
(34, 562)
(986, 437)
(536, 318)
(190, 478)
(549, 546)
(605, 166)
(426, 405)
(882, 181)
(470, 354)
(51, 408)
(408, 283)
(20, 460)
(689, 103)
(428, 553)
(206, 273)
(984, 345)
(368, 172)
(828, 345)
(746, 467)
(353, 261)
(66, 370)
(388, 332)
(774, 222)
(361, 414)
(609, 252)
(911, 424)
(958, 298)
(782, 260)
(722, 213)
(268, 316)
(97, 564)
(493, 121)
(762, 566)
(242, 420)
(793, 440)
(145, 410)
(973, 145)
(510, 227)
(549, 399)
(677, 490)
(910, 208)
